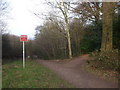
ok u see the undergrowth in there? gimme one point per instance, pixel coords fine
(105, 60)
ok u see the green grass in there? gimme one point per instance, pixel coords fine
(33, 76)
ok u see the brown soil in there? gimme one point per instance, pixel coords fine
(73, 71)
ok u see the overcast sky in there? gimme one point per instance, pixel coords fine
(22, 21)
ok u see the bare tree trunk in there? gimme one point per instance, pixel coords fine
(67, 30)
(108, 10)
(68, 38)
(63, 6)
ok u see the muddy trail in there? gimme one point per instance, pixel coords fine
(73, 72)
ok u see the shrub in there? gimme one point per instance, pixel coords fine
(105, 60)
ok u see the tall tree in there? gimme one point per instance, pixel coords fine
(63, 6)
(108, 11)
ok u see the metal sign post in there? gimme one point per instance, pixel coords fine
(23, 54)
(23, 38)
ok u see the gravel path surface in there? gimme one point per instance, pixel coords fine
(74, 73)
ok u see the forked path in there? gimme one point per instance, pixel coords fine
(73, 72)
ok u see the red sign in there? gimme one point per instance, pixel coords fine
(23, 38)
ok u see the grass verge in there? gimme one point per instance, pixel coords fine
(33, 76)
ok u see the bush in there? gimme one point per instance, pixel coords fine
(105, 60)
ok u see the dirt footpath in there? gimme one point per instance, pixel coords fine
(73, 72)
